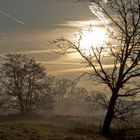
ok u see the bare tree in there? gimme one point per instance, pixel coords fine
(60, 88)
(21, 79)
(125, 110)
(78, 94)
(122, 48)
(99, 98)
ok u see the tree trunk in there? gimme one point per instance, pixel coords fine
(109, 115)
(22, 110)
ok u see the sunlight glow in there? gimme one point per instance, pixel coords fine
(91, 39)
(94, 37)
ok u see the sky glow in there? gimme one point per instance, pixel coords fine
(27, 26)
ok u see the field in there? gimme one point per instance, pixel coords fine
(55, 128)
(36, 131)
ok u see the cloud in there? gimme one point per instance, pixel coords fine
(81, 69)
(97, 11)
(58, 63)
(36, 52)
(63, 71)
(2, 57)
(82, 23)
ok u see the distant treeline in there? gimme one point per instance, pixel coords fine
(25, 86)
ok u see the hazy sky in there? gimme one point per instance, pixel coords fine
(27, 25)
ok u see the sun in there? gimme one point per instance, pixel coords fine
(94, 37)
(88, 39)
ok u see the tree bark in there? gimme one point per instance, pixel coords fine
(109, 115)
(22, 110)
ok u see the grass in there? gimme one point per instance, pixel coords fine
(35, 131)
(37, 127)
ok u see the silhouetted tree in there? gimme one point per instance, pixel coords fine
(99, 98)
(65, 86)
(60, 88)
(122, 48)
(124, 111)
(51, 85)
(21, 79)
(78, 94)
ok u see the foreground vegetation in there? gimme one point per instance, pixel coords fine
(34, 131)
(57, 128)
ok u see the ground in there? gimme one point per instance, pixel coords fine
(36, 131)
(36, 127)
(55, 128)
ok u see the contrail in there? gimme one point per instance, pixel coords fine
(12, 17)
